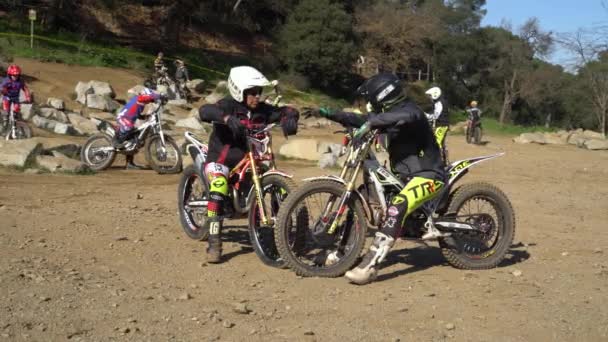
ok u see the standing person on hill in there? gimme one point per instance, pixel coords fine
(439, 119)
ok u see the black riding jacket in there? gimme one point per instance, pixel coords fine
(224, 148)
(412, 146)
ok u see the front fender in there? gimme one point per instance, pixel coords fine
(277, 172)
(366, 208)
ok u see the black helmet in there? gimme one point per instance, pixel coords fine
(381, 91)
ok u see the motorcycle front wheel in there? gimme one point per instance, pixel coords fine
(275, 190)
(304, 235)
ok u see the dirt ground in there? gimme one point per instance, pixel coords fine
(82, 258)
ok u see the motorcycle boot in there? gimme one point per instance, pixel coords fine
(214, 250)
(131, 165)
(367, 270)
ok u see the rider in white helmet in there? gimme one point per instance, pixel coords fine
(228, 143)
(439, 118)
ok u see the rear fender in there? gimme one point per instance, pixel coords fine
(459, 168)
(199, 157)
(366, 208)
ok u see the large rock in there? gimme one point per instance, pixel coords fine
(82, 90)
(196, 85)
(555, 139)
(593, 135)
(53, 114)
(526, 138)
(102, 102)
(182, 103)
(300, 149)
(44, 123)
(596, 144)
(55, 103)
(59, 162)
(190, 123)
(18, 152)
(63, 128)
(577, 138)
(168, 91)
(328, 160)
(317, 123)
(214, 97)
(102, 88)
(82, 125)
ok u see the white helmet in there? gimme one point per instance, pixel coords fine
(242, 78)
(434, 93)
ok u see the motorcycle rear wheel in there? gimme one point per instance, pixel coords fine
(476, 250)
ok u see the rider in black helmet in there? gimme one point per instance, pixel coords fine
(414, 156)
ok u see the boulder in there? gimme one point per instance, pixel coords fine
(59, 162)
(526, 138)
(190, 123)
(328, 160)
(63, 128)
(47, 112)
(18, 152)
(168, 91)
(577, 139)
(178, 103)
(596, 144)
(214, 97)
(82, 90)
(102, 88)
(55, 103)
(44, 123)
(300, 149)
(593, 135)
(102, 102)
(317, 123)
(555, 139)
(82, 125)
(196, 85)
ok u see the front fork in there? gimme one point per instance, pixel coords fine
(343, 200)
(259, 192)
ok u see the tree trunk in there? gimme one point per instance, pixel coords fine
(509, 98)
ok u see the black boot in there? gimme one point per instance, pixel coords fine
(131, 165)
(214, 251)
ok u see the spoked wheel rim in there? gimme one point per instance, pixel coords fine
(194, 191)
(483, 213)
(96, 153)
(308, 231)
(165, 158)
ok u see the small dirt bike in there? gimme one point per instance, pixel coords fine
(257, 188)
(473, 131)
(162, 152)
(321, 227)
(12, 127)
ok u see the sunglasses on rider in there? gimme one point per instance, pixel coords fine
(255, 91)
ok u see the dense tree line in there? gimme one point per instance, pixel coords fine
(332, 44)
